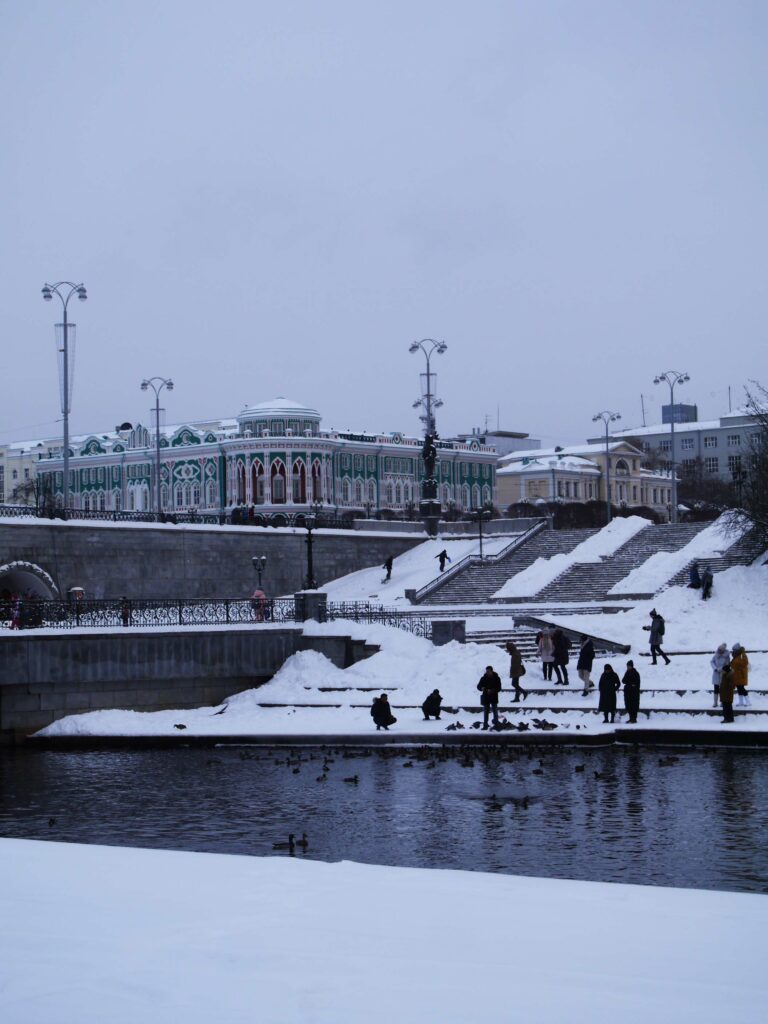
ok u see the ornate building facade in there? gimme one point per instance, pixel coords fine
(272, 459)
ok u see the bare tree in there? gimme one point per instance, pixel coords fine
(750, 481)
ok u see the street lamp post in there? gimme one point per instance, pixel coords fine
(259, 564)
(428, 346)
(672, 377)
(49, 290)
(157, 384)
(309, 523)
(481, 513)
(607, 417)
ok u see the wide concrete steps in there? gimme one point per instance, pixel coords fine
(591, 581)
(480, 581)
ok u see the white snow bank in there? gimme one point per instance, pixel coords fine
(600, 545)
(411, 570)
(661, 567)
(123, 935)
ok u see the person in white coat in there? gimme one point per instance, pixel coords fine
(719, 661)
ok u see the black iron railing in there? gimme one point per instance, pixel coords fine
(362, 611)
(34, 614)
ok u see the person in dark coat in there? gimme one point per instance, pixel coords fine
(706, 583)
(561, 646)
(727, 690)
(516, 671)
(381, 712)
(657, 628)
(694, 580)
(631, 682)
(584, 664)
(388, 566)
(431, 705)
(444, 557)
(490, 688)
(609, 686)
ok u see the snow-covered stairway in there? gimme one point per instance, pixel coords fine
(591, 581)
(479, 581)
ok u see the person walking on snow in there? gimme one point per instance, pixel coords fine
(694, 578)
(631, 682)
(657, 628)
(444, 557)
(706, 583)
(719, 661)
(609, 686)
(546, 652)
(561, 645)
(516, 670)
(740, 670)
(490, 688)
(388, 566)
(584, 664)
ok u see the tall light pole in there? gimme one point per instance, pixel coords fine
(65, 290)
(607, 417)
(157, 384)
(428, 346)
(309, 524)
(672, 377)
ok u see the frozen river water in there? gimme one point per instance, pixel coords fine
(606, 814)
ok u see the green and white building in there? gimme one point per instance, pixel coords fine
(273, 459)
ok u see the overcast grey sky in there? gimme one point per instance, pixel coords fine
(276, 198)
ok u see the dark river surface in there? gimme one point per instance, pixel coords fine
(700, 821)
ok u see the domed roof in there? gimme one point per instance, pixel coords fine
(279, 407)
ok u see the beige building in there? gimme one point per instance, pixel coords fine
(578, 473)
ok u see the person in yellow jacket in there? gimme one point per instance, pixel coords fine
(740, 670)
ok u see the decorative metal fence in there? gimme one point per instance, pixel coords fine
(34, 614)
(362, 611)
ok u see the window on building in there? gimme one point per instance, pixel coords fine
(646, 446)
(398, 495)
(591, 490)
(686, 444)
(372, 492)
(575, 489)
(710, 441)
(689, 466)
(26, 474)
(665, 445)
(567, 488)
(15, 474)
(734, 463)
(634, 493)
(734, 440)
(655, 496)
(359, 492)
(712, 464)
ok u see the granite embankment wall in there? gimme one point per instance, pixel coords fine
(44, 677)
(142, 560)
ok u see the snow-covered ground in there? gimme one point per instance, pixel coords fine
(661, 567)
(409, 668)
(411, 570)
(93, 934)
(600, 545)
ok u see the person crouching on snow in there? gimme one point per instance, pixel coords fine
(431, 705)
(381, 712)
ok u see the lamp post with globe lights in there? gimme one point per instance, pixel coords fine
(607, 417)
(65, 290)
(673, 378)
(157, 384)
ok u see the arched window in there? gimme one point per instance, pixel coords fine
(476, 496)
(196, 495)
(277, 473)
(446, 494)
(102, 501)
(398, 495)
(372, 492)
(317, 481)
(345, 491)
(359, 491)
(87, 502)
(117, 500)
(299, 482)
(622, 468)
(210, 494)
(240, 484)
(486, 494)
(466, 498)
(257, 482)
(388, 494)
(164, 496)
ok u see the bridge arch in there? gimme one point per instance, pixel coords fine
(26, 578)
